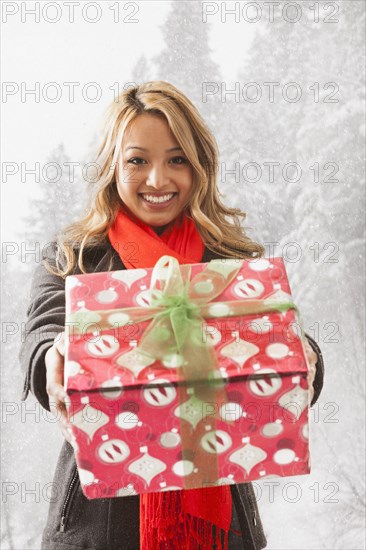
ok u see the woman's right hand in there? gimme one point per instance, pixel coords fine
(58, 398)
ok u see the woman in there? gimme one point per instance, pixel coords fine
(156, 194)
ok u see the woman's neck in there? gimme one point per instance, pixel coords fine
(159, 230)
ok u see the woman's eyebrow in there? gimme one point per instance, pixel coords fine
(143, 149)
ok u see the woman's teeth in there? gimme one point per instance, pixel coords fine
(163, 198)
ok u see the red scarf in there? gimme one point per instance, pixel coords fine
(180, 518)
(139, 246)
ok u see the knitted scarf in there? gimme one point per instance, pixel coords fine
(194, 518)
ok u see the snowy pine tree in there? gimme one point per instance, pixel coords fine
(141, 71)
(186, 59)
(61, 200)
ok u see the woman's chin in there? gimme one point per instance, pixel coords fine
(155, 224)
(155, 220)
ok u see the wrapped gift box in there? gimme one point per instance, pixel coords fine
(128, 410)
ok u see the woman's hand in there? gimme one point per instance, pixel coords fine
(54, 359)
(312, 360)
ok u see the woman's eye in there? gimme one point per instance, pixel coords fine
(135, 160)
(179, 160)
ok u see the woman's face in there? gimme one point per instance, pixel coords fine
(155, 182)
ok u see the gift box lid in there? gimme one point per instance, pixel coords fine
(261, 346)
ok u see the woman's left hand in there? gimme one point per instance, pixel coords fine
(312, 360)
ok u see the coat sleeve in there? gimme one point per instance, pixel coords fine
(45, 320)
(319, 375)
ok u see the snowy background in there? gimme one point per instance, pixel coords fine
(311, 210)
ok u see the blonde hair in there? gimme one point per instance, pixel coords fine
(220, 235)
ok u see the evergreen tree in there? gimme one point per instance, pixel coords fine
(61, 201)
(268, 126)
(141, 71)
(186, 60)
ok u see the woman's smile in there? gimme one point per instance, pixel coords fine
(158, 201)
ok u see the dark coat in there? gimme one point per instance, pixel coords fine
(104, 524)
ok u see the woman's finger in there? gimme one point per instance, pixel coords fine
(59, 343)
(56, 391)
(55, 374)
(62, 416)
(67, 432)
(312, 370)
(58, 398)
(311, 393)
(310, 353)
(312, 360)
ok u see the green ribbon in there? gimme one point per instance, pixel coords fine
(179, 307)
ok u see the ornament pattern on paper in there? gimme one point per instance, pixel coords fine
(126, 410)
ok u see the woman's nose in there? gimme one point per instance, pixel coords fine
(157, 177)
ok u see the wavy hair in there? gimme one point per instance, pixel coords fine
(218, 225)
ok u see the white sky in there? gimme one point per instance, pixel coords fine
(79, 52)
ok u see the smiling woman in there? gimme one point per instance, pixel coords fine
(158, 192)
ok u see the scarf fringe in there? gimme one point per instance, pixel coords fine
(164, 525)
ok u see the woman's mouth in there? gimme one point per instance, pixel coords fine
(157, 201)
